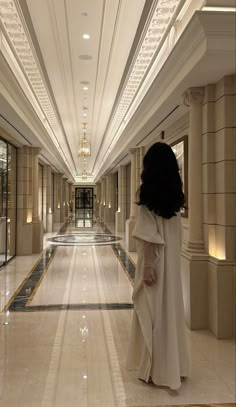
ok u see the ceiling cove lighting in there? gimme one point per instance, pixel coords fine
(84, 145)
(212, 8)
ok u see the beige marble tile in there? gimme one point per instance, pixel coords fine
(70, 358)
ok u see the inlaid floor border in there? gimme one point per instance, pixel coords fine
(23, 296)
(28, 287)
(191, 405)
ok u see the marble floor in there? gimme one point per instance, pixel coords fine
(64, 334)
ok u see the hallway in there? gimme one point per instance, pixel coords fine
(64, 341)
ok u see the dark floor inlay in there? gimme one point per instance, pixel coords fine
(75, 307)
(83, 239)
(22, 297)
(124, 259)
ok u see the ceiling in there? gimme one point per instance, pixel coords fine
(96, 83)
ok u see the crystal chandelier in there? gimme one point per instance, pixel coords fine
(84, 145)
(84, 175)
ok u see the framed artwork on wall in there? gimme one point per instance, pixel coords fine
(180, 148)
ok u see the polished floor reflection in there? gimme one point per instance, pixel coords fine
(70, 348)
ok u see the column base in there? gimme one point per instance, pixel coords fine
(195, 247)
(37, 238)
(24, 246)
(62, 214)
(119, 223)
(57, 215)
(195, 289)
(49, 227)
(221, 302)
(130, 241)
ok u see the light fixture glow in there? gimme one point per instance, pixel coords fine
(86, 36)
(85, 88)
(208, 8)
(84, 175)
(84, 146)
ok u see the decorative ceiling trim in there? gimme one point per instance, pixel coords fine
(157, 28)
(18, 36)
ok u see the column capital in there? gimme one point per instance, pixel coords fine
(36, 150)
(193, 95)
(132, 150)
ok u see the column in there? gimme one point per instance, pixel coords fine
(130, 241)
(24, 201)
(63, 200)
(37, 238)
(58, 199)
(107, 200)
(103, 199)
(194, 259)
(110, 202)
(219, 193)
(98, 199)
(120, 214)
(66, 198)
(112, 199)
(70, 200)
(194, 99)
(47, 200)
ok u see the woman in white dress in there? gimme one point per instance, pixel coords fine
(158, 347)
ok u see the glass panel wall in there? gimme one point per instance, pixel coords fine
(84, 207)
(7, 201)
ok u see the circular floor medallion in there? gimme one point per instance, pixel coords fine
(83, 239)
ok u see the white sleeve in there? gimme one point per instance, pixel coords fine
(146, 227)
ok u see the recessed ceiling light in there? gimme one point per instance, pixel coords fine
(86, 36)
(85, 88)
(85, 114)
(85, 57)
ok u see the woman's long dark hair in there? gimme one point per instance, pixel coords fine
(161, 187)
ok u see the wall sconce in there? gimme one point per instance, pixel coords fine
(58, 206)
(49, 210)
(29, 216)
(216, 250)
(109, 206)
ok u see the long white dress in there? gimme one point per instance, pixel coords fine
(158, 346)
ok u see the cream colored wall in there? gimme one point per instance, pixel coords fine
(219, 202)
